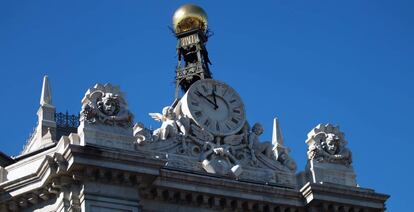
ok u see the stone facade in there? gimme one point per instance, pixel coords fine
(205, 156)
(111, 166)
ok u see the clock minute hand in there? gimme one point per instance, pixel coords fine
(211, 102)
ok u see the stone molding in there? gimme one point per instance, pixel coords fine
(68, 167)
(333, 196)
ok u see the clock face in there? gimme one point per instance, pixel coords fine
(214, 106)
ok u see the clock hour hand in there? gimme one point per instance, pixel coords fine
(215, 100)
(211, 102)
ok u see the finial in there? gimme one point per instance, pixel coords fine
(277, 138)
(188, 17)
(46, 97)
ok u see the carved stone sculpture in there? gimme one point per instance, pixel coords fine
(105, 104)
(171, 125)
(286, 160)
(256, 146)
(220, 159)
(329, 160)
(327, 144)
(105, 119)
(141, 133)
(195, 147)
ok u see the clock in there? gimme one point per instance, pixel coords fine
(214, 106)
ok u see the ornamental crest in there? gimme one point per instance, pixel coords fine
(326, 143)
(105, 104)
(241, 155)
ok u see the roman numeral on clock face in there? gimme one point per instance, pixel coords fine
(207, 122)
(236, 111)
(234, 120)
(198, 114)
(205, 89)
(195, 103)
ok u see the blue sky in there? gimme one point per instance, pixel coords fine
(306, 62)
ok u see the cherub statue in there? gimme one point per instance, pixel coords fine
(171, 126)
(256, 146)
(105, 104)
(109, 104)
(329, 147)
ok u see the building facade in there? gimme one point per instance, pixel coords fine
(205, 156)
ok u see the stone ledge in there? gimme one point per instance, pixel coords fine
(348, 195)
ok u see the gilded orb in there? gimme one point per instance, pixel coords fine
(189, 17)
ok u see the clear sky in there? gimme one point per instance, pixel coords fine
(306, 62)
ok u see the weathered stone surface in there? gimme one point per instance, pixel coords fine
(106, 120)
(330, 173)
(329, 160)
(191, 147)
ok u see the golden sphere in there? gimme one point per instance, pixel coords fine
(188, 17)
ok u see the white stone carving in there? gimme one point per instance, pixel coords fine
(329, 161)
(105, 104)
(105, 119)
(281, 152)
(257, 147)
(327, 144)
(197, 148)
(220, 159)
(141, 133)
(171, 126)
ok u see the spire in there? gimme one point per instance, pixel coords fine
(45, 132)
(281, 152)
(46, 97)
(277, 138)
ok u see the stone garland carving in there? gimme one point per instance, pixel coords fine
(224, 155)
(105, 104)
(327, 144)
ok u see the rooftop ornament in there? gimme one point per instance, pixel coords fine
(189, 17)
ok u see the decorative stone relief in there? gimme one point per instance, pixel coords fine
(329, 160)
(286, 160)
(189, 146)
(172, 126)
(105, 119)
(217, 152)
(257, 147)
(105, 104)
(327, 144)
(141, 133)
